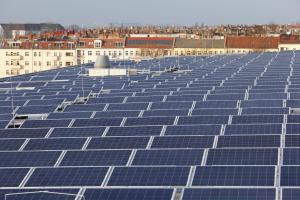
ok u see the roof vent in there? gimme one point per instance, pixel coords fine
(102, 62)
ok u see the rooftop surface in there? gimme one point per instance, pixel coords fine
(222, 127)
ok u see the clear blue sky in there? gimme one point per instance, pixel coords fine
(103, 12)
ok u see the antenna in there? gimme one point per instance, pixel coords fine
(12, 102)
(82, 87)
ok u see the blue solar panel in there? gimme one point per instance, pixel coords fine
(97, 122)
(129, 194)
(234, 176)
(257, 119)
(293, 129)
(193, 130)
(76, 108)
(242, 157)
(96, 158)
(102, 100)
(216, 104)
(292, 140)
(46, 123)
(134, 131)
(172, 112)
(203, 120)
(145, 99)
(229, 194)
(149, 176)
(23, 133)
(118, 143)
(168, 157)
(265, 111)
(71, 176)
(185, 97)
(28, 159)
(171, 105)
(12, 177)
(182, 142)
(10, 144)
(69, 115)
(290, 176)
(128, 106)
(262, 103)
(35, 109)
(55, 144)
(77, 132)
(128, 113)
(150, 121)
(211, 111)
(255, 129)
(249, 141)
(290, 194)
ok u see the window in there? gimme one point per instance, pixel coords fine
(26, 53)
(48, 63)
(69, 54)
(7, 62)
(40, 54)
(35, 63)
(34, 54)
(26, 63)
(48, 53)
(60, 64)
(40, 63)
(97, 53)
(69, 63)
(7, 72)
(90, 53)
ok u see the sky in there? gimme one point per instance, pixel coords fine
(156, 12)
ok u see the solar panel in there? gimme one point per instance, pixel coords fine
(229, 194)
(165, 113)
(193, 130)
(242, 157)
(290, 176)
(46, 123)
(292, 140)
(211, 111)
(290, 193)
(149, 176)
(118, 143)
(10, 144)
(249, 141)
(129, 194)
(257, 119)
(134, 131)
(149, 121)
(12, 177)
(128, 113)
(23, 133)
(182, 142)
(255, 129)
(203, 120)
(168, 157)
(234, 176)
(172, 105)
(69, 115)
(77, 132)
(55, 144)
(28, 159)
(97, 122)
(96, 158)
(70, 176)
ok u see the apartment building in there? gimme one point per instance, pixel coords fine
(289, 43)
(28, 57)
(87, 49)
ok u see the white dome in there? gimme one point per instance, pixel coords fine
(102, 62)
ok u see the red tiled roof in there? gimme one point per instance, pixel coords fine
(252, 42)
